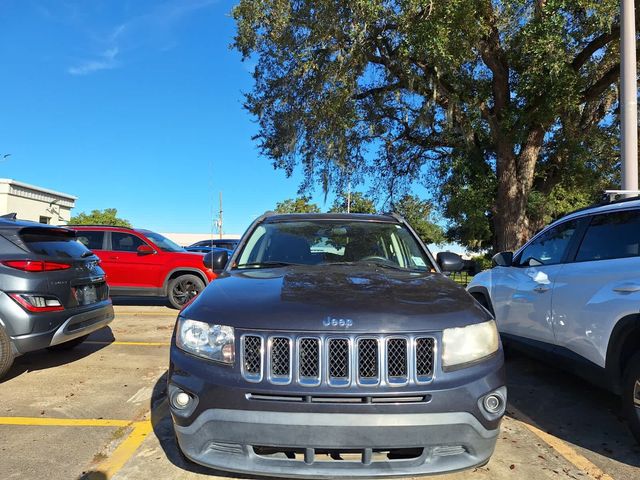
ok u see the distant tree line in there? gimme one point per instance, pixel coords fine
(417, 212)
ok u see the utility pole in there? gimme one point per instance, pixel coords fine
(349, 196)
(220, 218)
(628, 96)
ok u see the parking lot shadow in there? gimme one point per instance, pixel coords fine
(141, 301)
(569, 408)
(163, 430)
(43, 359)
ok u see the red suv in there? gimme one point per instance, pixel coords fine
(144, 263)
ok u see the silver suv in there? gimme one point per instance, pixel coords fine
(53, 292)
(573, 292)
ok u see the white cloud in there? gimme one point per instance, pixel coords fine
(106, 61)
(152, 28)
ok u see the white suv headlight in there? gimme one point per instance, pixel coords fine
(215, 342)
(468, 344)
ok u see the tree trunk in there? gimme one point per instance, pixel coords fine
(515, 179)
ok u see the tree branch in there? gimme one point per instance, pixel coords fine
(602, 84)
(593, 46)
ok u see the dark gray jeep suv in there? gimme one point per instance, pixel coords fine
(53, 293)
(331, 345)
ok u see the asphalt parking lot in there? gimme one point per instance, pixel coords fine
(100, 412)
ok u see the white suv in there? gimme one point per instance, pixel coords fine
(573, 291)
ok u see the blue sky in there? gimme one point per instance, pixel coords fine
(135, 105)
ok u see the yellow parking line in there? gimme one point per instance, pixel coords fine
(143, 344)
(125, 450)
(570, 454)
(63, 422)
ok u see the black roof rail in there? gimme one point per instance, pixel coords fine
(395, 215)
(10, 216)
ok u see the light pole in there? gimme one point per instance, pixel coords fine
(628, 96)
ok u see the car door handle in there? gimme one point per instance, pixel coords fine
(541, 289)
(630, 288)
(112, 257)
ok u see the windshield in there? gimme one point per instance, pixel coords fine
(333, 241)
(163, 243)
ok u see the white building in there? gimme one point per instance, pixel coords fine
(35, 203)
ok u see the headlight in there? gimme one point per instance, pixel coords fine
(215, 342)
(468, 344)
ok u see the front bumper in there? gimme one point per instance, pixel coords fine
(288, 430)
(65, 328)
(264, 443)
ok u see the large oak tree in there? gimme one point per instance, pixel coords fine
(507, 109)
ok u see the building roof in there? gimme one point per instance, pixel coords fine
(10, 181)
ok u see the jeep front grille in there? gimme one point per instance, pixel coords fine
(252, 357)
(338, 361)
(309, 361)
(280, 359)
(397, 368)
(368, 360)
(424, 357)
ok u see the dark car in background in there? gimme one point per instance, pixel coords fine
(331, 345)
(206, 246)
(53, 292)
(140, 262)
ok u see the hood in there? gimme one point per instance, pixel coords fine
(316, 298)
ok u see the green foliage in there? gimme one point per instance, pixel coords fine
(418, 213)
(506, 107)
(108, 216)
(297, 205)
(483, 262)
(359, 203)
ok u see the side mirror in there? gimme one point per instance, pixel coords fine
(502, 259)
(216, 260)
(145, 250)
(450, 262)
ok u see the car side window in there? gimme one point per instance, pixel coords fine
(93, 240)
(549, 248)
(125, 242)
(611, 235)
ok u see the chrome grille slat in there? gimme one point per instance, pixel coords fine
(424, 358)
(280, 359)
(368, 364)
(397, 360)
(309, 361)
(251, 348)
(338, 361)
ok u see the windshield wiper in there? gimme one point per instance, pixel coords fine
(266, 264)
(367, 262)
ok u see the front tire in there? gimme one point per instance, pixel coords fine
(6, 353)
(183, 288)
(631, 395)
